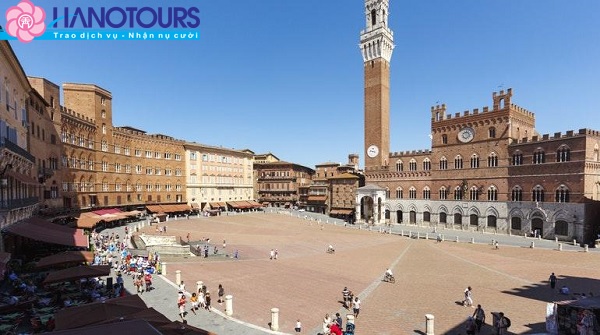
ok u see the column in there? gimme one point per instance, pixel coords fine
(275, 319)
(163, 268)
(178, 277)
(229, 304)
(429, 324)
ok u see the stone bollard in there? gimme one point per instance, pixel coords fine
(199, 285)
(556, 239)
(574, 242)
(443, 238)
(585, 248)
(163, 268)
(472, 240)
(402, 232)
(275, 319)
(418, 235)
(532, 245)
(426, 236)
(524, 235)
(429, 324)
(229, 304)
(540, 237)
(560, 247)
(178, 277)
(456, 240)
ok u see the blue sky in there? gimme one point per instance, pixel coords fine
(286, 76)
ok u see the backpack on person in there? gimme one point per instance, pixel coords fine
(507, 322)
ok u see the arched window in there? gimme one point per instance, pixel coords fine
(539, 156)
(426, 216)
(387, 192)
(474, 161)
(399, 166)
(458, 218)
(458, 162)
(493, 160)
(444, 139)
(474, 193)
(412, 165)
(537, 194)
(443, 163)
(443, 218)
(399, 193)
(473, 220)
(373, 17)
(563, 154)
(491, 221)
(515, 223)
(443, 193)
(492, 132)
(561, 228)
(562, 194)
(412, 193)
(458, 193)
(426, 193)
(492, 193)
(517, 158)
(426, 164)
(516, 194)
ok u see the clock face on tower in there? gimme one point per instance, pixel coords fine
(373, 151)
(466, 134)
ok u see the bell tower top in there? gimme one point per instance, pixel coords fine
(376, 40)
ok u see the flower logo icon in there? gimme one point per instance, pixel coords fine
(25, 21)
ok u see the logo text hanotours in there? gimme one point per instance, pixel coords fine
(127, 17)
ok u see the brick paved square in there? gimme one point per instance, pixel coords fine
(306, 282)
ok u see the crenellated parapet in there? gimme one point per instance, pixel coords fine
(559, 136)
(501, 104)
(410, 153)
(76, 115)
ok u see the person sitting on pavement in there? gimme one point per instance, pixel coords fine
(330, 249)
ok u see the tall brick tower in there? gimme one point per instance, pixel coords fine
(377, 44)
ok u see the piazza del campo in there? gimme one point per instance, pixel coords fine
(493, 205)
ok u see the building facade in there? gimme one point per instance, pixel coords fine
(279, 183)
(102, 165)
(487, 170)
(217, 175)
(19, 186)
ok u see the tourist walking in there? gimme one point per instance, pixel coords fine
(207, 300)
(276, 253)
(338, 320)
(194, 302)
(272, 254)
(298, 327)
(470, 326)
(468, 301)
(552, 281)
(502, 324)
(326, 323)
(345, 297)
(479, 316)
(221, 293)
(356, 307)
(181, 306)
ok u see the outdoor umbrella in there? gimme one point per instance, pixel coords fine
(77, 272)
(66, 257)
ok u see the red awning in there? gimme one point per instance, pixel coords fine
(41, 230)
(107, 211)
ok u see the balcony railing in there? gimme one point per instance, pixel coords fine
(9, 204)
(6, 143)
